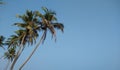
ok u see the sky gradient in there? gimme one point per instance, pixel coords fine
(91, 38)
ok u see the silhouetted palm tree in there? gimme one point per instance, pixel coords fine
(47, 23)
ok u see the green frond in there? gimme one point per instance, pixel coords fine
(37, 13)
(29, 15)
(49, 15)
(45, 9)
(12, 41)
(10, 54)
(22, 25)
(59, 26)
(20, 32)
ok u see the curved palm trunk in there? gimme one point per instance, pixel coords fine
(42, 38)
(18, 54)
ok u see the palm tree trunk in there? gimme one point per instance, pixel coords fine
(33, 51)
(18, 54)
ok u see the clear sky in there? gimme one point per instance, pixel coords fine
(91, 38)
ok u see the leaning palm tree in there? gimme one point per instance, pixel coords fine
(47, 23)
(15, 42)
(28, 34)
(12, 44)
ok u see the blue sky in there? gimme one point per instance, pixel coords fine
(91, 38)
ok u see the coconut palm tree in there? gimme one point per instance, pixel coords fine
(14, 43)
(21, 42)
(47, 23)
(29, 24)
(28, 34)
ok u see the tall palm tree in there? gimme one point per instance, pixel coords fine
(47, 23)
(28, 33)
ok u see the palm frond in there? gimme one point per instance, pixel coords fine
(10, 54)
(22, 25)
(45, 9)
(37, 13)
(59, 26)
(29, 15)
(20, 32)
(12, 41)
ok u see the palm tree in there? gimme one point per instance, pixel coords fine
(29, 24)
(47, 23)
(14, 43)
(18, 53)
(28, 34)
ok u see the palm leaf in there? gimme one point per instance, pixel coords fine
(45, 9)
(59, 26)
(22, 25)
(10, 54)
